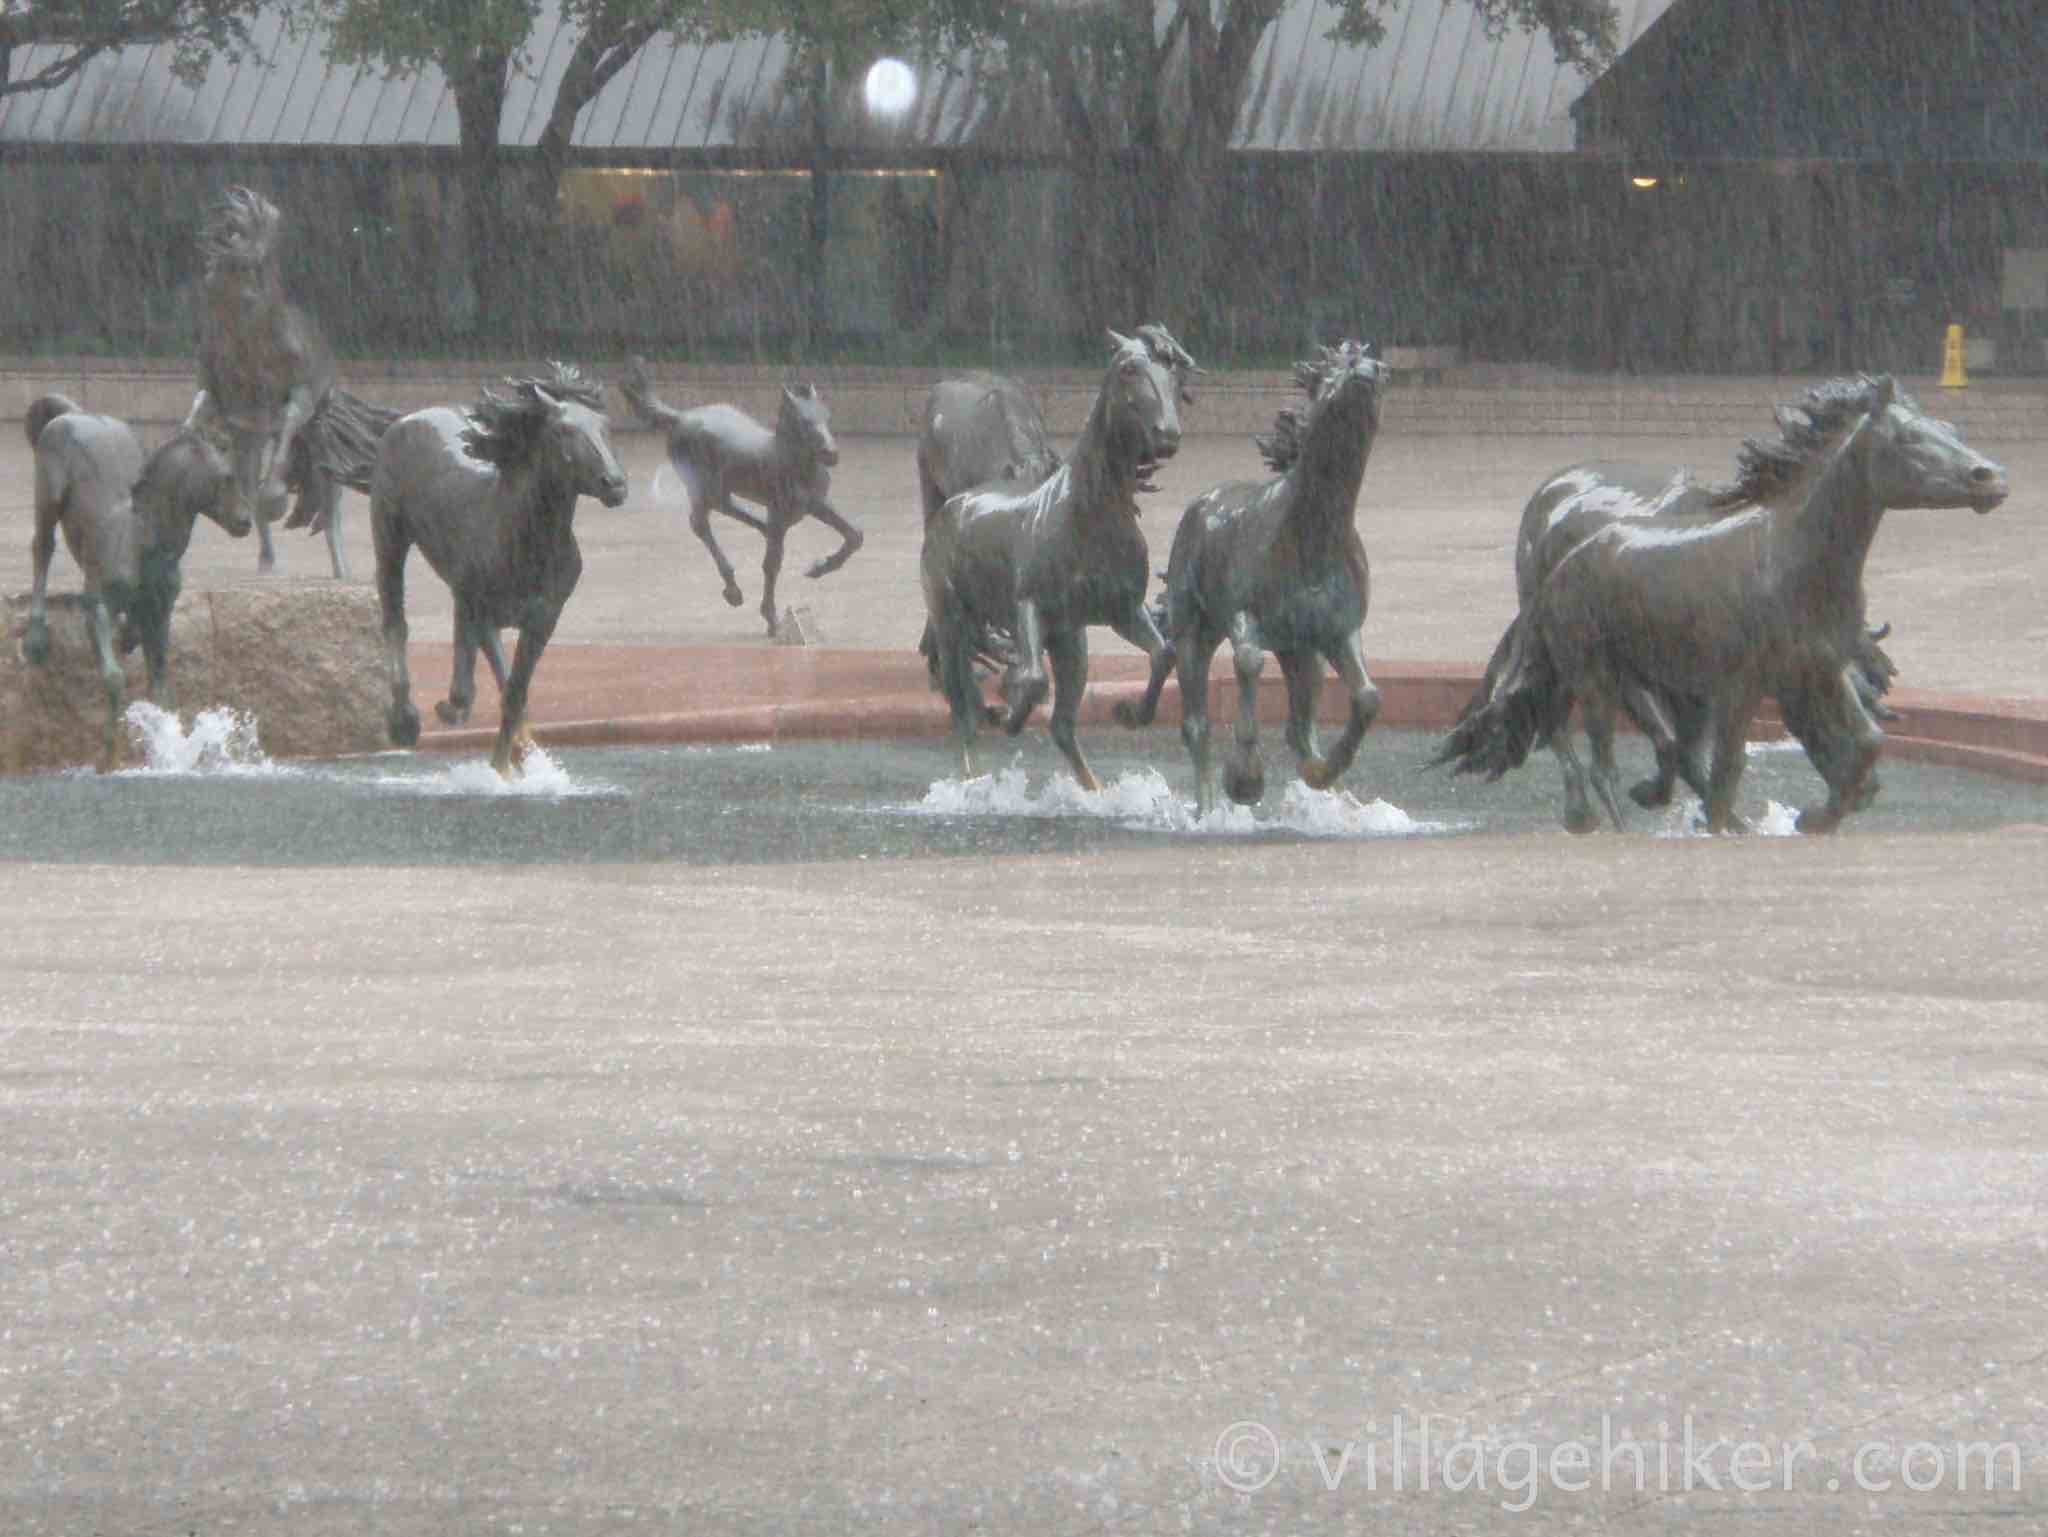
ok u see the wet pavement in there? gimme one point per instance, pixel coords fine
(380, 1151)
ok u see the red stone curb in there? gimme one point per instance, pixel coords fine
(587, 696)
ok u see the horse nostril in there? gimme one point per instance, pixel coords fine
(1984, 474)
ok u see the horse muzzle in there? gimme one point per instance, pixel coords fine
(1988, 488)
(612, 491)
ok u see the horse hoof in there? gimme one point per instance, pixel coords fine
(450, 714)
(404, 726)
(1864, 795)
(1584, 821)
(1316, 774)
(1246, 786)
(733, 596)
(1022, 700)
(35, 643)
(1818, 820)
(1128, 715)
(1650, 794)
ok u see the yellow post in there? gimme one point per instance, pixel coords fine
(1953, 376)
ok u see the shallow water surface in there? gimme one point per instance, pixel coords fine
(210, 796)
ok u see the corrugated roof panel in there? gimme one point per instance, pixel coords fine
(1437, 82)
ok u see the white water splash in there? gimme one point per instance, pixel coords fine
(1141, 798)
(220, 741)
(542, 779)
(1775, 745)
(1685, 817)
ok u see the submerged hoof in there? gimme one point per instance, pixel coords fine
(1317, 774)
(35, 643)
(1650, 794)
(1245, 783)
(733, 596)
(1582, 819)
(451, 714)
(1818, 819)
(404, 725)
(1129, 714)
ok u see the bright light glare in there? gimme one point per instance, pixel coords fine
(890, 87)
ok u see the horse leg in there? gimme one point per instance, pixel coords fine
(514, 739)
(251, 460)
(953, 650)
(1676, 743)
(454, 710)
(1597, 706)
(1142, 631)
(1244, 776)
(1069, 652)
(392, 546)
(850, 539)
(1349, 660)
(700, 525)
(1731, 733)
(111, 680)
(1846, 756)
(1024, 684)
(1195, 651)
(771, 568)
(35, 641)
(325, 492)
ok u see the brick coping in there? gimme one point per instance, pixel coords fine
(594, 695)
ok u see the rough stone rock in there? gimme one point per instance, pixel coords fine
(303, 660)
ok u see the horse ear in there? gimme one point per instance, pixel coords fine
(1881, 397)
(1116, 341)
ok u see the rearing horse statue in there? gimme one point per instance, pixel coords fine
(1045, 563)
(266, 374)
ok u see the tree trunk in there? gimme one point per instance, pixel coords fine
(479, 110)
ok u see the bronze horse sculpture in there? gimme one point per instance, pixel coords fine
(489, 495)
(984, 430)
(1042, 564)
(722, 454)
(1766, 599)
(1278, 565)
(1582, 499)
(127, 520)
(266, 374)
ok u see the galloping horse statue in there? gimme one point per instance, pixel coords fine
(983, 430)
(1765, 599)
(721, 452)
(127, 521)
(265, 373)
(1045, 563)
(1278, 565)
(1582, 499)
(488, 495)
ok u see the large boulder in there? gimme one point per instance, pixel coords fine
(302, 660)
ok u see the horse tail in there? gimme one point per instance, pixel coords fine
(43, 410)
(638, 390)
(1519, 702)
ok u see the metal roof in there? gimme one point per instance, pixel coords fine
(1436, 83)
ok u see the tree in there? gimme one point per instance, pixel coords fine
(78, 31)
(1110, 65)
(478, 45)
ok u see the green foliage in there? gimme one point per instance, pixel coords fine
(79, 30)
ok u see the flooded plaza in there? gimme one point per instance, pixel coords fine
(794, 1139)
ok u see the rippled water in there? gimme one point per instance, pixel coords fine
(208, 795)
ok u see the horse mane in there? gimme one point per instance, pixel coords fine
(502, 429)
(1807, 430)
(1281, 448)
(43, 410)
(240, 231)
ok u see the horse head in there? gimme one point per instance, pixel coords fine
(1161, 344)
(805, 425)
(1915, 460)
(240, 230)
(189, 477)
(1138, 396)
(557, 426)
